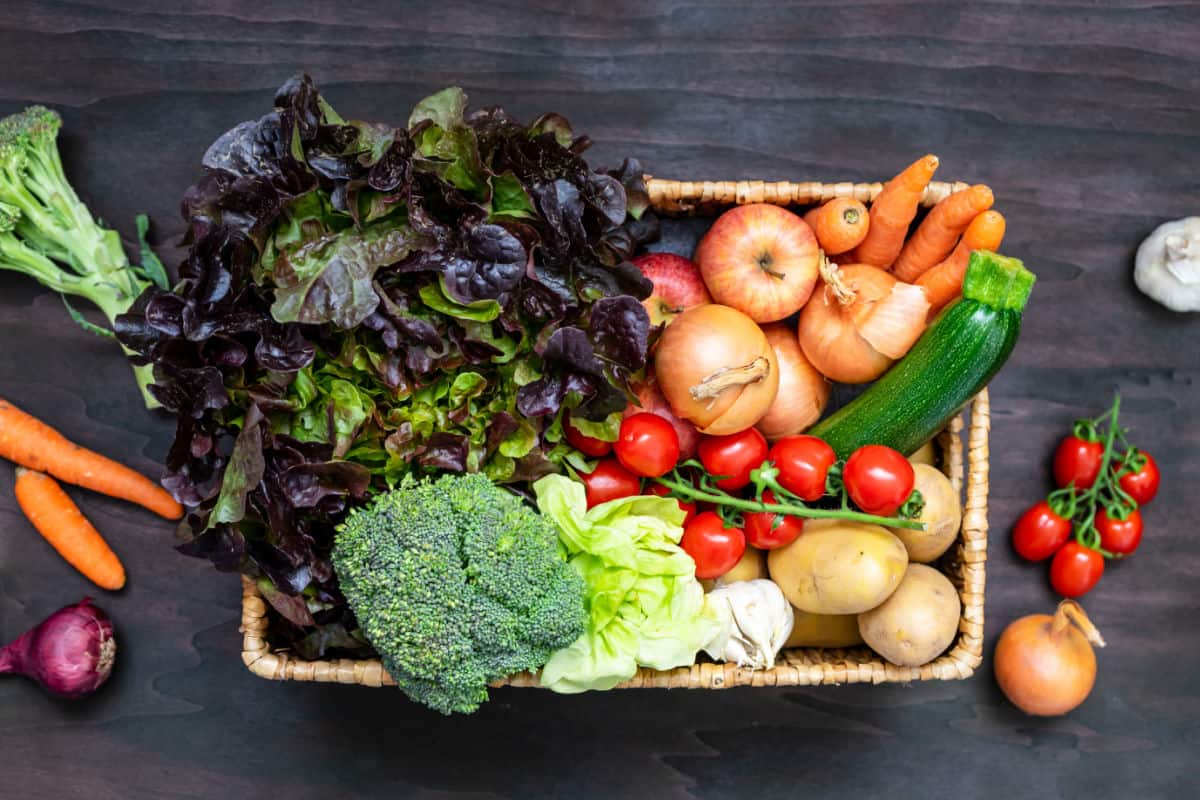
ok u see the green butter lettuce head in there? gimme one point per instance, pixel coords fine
(644, 604)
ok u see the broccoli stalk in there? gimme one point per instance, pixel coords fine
(457, 583)
(47, 233)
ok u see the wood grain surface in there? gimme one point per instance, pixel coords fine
(1083, 116)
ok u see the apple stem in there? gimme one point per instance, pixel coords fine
(726, 377)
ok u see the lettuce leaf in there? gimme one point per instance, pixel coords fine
(645, 606)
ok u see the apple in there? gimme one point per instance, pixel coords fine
(677, 286)
(651, 398)
(761, 259)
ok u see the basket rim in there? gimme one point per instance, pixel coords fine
(800, 666)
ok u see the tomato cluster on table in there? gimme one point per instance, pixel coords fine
(876, 479)
(1094, 513)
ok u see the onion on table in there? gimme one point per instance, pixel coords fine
(859, 320)
(1045, 665)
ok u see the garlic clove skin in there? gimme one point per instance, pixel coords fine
(758, 620)
(1167, 265)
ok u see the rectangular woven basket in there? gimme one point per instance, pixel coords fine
(963, 564)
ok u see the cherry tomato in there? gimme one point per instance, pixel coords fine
(1143, 484)
(1039, 533)
(647, 445)
(764, 533)
(1075, 569)
(687, 507)
(609, 481)
(1077, 460)
(588, 445)
(733, 456)
(713, 547)
(1119, 535)
(803, 463)
(878, 479)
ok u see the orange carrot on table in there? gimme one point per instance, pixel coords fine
(892, 212)
(32, 443)
(943, 225)
(67, 530)
(943, 282)
(840, 225)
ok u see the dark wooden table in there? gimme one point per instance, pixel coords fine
(1085, 118)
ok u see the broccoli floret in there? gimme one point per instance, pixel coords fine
(457, 583)
(48, 233)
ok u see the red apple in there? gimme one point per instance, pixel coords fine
(677, 285)
(761, 259)
(651, 398)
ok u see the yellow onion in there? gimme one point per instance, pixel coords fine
(859, 320)
(1045, 664)
(803, 391)
(716, 369)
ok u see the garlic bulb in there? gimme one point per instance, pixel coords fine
(1167, 266)
(756, 619)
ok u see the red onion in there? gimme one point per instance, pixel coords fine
(70, 654)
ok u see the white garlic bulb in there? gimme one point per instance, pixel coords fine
(756, 620)
(1167, 266)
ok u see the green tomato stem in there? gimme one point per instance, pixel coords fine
(692, 493)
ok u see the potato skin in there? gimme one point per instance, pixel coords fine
(752, 566)
(924, 455)
(824, 630)
(918, 622)
(942, 515)
(838, 567)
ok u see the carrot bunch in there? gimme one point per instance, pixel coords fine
(935, 255)
(41, 452)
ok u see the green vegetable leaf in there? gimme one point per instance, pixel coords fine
(645, 606)
(330, 279)
(244, 472)
(83, 321)
(509, 198)
(151, 266)
(444, 109)
(434, 296)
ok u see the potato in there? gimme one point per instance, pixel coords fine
(753, 565)
(823, 630)
(838, 567)
(924, 454)
(942, 516)
(918, 622)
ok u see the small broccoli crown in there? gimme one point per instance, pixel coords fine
(36, 126)
(457, 583)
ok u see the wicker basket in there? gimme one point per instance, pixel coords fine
(963, 564)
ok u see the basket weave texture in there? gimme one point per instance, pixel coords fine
(963, 564)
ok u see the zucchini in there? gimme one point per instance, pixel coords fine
(952, 361)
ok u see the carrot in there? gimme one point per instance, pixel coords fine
(986, 231)
(67, 530)
(892, 212)
(840, 224)
(810, 217)
(941, 228)
(943, 282)
(34, 444)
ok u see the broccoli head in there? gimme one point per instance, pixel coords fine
(457, 583)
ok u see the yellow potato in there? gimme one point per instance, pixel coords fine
(924, 454)
(838, 567)
(942, 516)
(753, 565)
(823, 630)
(918, 622)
